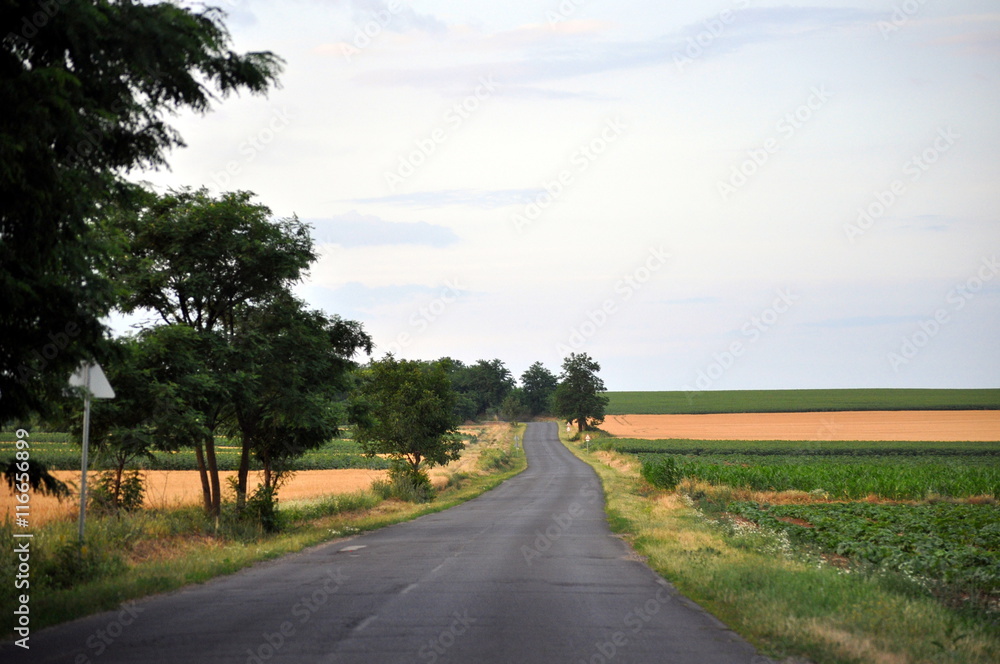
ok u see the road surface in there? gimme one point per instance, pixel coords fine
(528, 572)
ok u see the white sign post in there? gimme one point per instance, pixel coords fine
(95, 385)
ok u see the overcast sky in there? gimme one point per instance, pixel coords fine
(700, 195)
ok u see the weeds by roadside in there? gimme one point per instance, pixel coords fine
(786, 600)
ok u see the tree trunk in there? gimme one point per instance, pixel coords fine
(117, 494)
(206, 492)
(215, 507)
(242, 474)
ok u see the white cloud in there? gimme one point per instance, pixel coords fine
(557, 85)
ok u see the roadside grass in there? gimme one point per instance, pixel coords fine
(137, 554)
(776, 401)
(786, 602)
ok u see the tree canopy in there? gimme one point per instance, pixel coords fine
(294, 365)
(85, 89)
(405, 409)
(216, 267)
(579, 397)
(538, 384)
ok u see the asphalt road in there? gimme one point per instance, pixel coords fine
(528, 572)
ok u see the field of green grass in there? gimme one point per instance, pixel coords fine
(781, 401)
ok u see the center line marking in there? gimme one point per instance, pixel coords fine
(364, 623)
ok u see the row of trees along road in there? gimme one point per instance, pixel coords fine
(487, 389)
(410, 409)
(228, 350)
(231, 351)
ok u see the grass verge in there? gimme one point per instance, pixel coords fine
(784, 602)
(154, 551)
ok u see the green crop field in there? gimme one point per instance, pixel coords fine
(958, 545)
(805, 447)
(852, 478)
(57, 453)
(839, 469)
(948, 539)
(779, 401)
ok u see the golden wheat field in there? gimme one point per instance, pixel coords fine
(171, 488)
(939, 426)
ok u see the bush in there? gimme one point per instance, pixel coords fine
(129, 497)
(662, 472)
(405, 484)
(72, 564)
(261, 509)
(494, 458)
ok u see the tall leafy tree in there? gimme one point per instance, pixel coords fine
(204, 263)
(538, 384)
(513, 407)
(292, 366)
(485, 384)
(579, 397)
(85, 89)
(466, 407)
(405, 409)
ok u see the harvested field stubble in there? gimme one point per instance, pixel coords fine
(973, 425)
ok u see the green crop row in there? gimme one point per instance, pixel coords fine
(850, 478)
(808, 448)
(333, 455)
(776, 401)
(953, 543)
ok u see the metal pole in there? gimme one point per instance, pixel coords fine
(86, 444)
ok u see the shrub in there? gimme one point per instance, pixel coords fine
(662, 472)
(405, 484)
(494, 458)
(72, 563)
(261, 509)
(104, 499)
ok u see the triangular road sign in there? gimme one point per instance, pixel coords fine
(92, 378)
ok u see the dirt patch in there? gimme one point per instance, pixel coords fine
(741, 520)
(794, 521)
(836, 560)
(943, 426)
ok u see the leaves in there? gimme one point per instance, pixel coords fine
(84, 98)
(405, 409)
(957, 544)
(579, 395)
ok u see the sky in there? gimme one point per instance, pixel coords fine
(700, 195)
